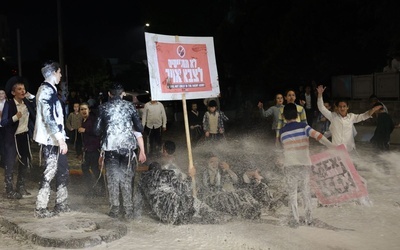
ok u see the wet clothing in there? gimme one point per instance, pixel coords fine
(49, 125)
(297, 162)
(295, 142)
(120, 170)
(168, 192)
(49, 128)
(170, 198)
(219, 193)
(56, 166)
(297, 178)
(117, 119)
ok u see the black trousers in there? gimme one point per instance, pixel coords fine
(310, 116)
(91, 162)
(154, 139)
(19, 147)
(2, 147)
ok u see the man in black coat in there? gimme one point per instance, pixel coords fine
(17, 119)
(383, 130)
(196, 123)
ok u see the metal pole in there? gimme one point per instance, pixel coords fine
(60, 37)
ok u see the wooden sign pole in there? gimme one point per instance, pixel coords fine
(192, 170)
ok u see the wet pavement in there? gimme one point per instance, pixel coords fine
(85, 226)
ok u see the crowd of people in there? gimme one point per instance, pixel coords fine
(115, 139)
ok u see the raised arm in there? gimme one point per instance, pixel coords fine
(320, 103)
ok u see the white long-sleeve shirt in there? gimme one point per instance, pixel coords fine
(154, 115)
(342, 127)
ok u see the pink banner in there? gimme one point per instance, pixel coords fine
(334, 178)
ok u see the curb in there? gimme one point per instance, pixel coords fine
(69, 230)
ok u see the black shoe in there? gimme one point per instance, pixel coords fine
(61, 208)
(23, 191)
(114, 212)
(13, 195)
(129, 215)
(43, 213)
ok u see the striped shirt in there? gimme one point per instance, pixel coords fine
(295, 141)
(301, 117)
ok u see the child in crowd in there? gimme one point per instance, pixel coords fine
(273, 111)
(290, 97)
(342, 127)
(74, 122)
(342, 122)
(195, 118)
(323, 123)
(213, 122)
(294, 137)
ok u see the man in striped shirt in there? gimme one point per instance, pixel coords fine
(294, 137)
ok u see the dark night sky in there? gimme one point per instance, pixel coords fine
(295, 39)
(115, 28)
(108, 27)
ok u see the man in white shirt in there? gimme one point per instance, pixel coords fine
(341, 121)
(154, 120)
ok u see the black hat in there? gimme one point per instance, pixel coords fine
(11, 82)
(212, 103)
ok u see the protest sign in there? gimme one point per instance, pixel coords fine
(334, 178)
(182, 68)
(179, 64)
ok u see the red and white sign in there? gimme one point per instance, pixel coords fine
(180, 65)
(334, 178)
